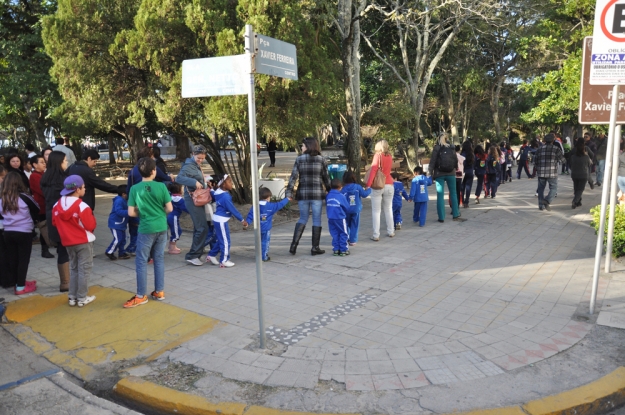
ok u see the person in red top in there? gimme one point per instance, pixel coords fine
(75, 222)
(39, 167)
(382, 199)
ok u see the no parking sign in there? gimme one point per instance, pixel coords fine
(608, 46)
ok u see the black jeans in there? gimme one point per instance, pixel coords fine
(578, 189)
(19, 245)
(467, 184)
(480, 185)
(272, 157)
(493, 183)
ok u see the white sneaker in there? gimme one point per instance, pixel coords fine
(72, 302)
(212, 260)
(195, 261)
(86, 301)
(226, 264)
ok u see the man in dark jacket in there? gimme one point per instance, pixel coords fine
(84, 169)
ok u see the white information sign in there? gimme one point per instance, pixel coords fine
(210, 77)
(607, 65)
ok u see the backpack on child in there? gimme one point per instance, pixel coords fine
(446, 161)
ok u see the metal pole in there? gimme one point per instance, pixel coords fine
(604, 201)
(251, 109)
(613, 191)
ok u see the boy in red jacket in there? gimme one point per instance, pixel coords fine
(75, 222)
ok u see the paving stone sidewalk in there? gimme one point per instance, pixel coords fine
(434, 305)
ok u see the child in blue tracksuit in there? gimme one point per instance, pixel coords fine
(419, 194)
(225, 210)
(397, 203)
(173, 218)
(353, 192)
(267, 210)
(118, 222)
(336, 209)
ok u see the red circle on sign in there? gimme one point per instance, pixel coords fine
(604, 29)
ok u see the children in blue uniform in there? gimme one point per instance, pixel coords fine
(173, 218)
(419, 194)
(118, 222)
(225, 210)
(336, 209)
(267, 210)
(353, 192)
(397, 203)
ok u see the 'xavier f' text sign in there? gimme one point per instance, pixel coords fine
(608, 49)
(275, 57)
(595, 101)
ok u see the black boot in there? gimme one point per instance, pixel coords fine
(44, 250)
(297, 234)
(315, 241)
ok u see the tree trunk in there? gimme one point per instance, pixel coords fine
(494, 106)
(183, 151)
(449, 107)
(34, 120)
(349, 27)
(111, 151)
(135, 140)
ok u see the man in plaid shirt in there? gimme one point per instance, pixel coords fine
(546, 161)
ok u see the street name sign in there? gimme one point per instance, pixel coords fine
(608, 47)
(595, 101)
(211, 77)
(275, 57)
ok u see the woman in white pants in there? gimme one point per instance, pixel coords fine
(382, 199)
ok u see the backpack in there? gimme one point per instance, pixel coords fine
(446, 162)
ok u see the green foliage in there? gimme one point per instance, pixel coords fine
(618, 244)
(27, 93)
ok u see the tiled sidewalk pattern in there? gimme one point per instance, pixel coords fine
(455, 301)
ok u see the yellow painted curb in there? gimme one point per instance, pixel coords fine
(261, 410)
(168, 400)
(508, 410)
(596, 397)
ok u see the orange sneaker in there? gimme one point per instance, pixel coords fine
(135, 301)
(158, 295)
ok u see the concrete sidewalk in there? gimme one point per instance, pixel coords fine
(451, 316)
(31, 385)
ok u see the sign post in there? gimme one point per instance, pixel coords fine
(251, 109)
(234, 75)
(607, 67)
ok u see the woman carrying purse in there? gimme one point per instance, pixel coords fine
(192, 177)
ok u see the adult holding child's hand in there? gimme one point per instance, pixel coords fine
(192, 177)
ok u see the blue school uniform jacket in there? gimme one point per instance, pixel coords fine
(336, 205)
(419, 188)
(225, 208)
(118, 218)
(492, 165)
(177, 202)
(267, 210)
(353, 192)
(399, 192)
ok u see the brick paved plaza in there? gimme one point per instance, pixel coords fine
(435, 305)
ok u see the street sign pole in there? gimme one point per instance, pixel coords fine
(613, 191)
(251, 109)
(604, 197)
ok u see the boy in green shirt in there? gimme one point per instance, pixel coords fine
(150, 201)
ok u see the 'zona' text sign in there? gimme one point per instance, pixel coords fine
(607, 65)
(275, 57)
(211, 77)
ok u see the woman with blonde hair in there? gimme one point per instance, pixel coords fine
(382, 199)
(443, 166)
